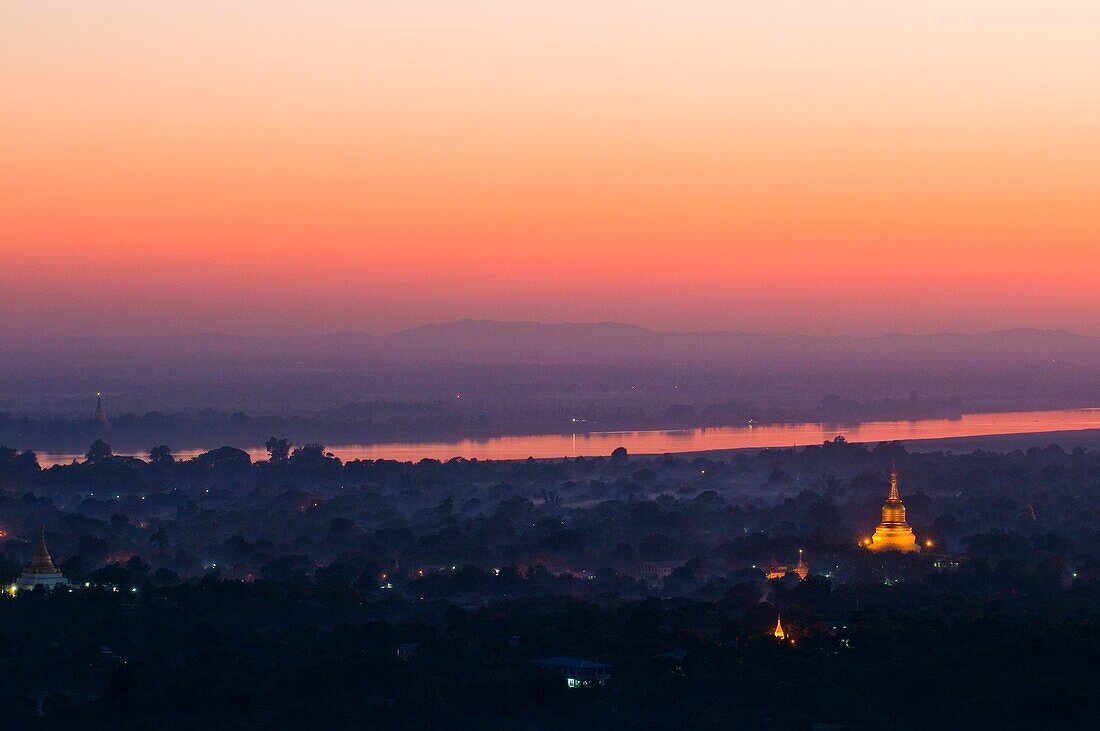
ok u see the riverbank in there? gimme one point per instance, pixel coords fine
(1067, 440)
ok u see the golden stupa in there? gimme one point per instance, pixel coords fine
(893, 533)
(41, 571)
(779, 634)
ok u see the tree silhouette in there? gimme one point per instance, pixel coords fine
(100, 451)
(279, 449)
(312, 453)
(161, 455)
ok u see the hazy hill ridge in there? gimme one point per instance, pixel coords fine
(487, 341)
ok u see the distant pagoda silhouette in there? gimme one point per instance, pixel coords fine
(100, 415)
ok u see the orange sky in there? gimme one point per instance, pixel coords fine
(777, 166)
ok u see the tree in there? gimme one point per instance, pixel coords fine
(17, 465)
(114, 573)
(9, 569)
(100, 451)
(309, 454)
(19, 711)
(76, 568)
(341, 525)
(160, 538)
(644, 622)
(137, 566)
(161, 455)
(335, 576)
(279, 449)
(289, 569)
(166, 577)
(812, 593)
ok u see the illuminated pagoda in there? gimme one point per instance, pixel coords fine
(801, 568)
(893, 533)
(776, 570)
(779, 634)
(41, 571)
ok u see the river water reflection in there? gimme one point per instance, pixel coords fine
(697, 440)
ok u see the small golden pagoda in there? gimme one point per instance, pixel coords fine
(779, 634)
(893, 533)
(776, 570)
(41, 571)
(801, 568)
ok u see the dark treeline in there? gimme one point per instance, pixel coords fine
(449, 419)
(236, 593)
(937, 653)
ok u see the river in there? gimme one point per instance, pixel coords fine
(698, 440)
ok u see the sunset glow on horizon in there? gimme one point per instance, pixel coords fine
(788, 167)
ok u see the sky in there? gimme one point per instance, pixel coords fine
(779, 167)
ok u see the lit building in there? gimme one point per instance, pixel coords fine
(577, 673)
(777, 570)
(893, 533)
(655, 571)
(41, 570)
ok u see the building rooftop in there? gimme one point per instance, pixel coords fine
(570, 663)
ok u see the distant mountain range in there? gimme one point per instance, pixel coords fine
(494, 342)
(610, 342)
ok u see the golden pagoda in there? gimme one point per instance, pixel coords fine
(801, 568)
(893, 533)
(779, 634)
(776, 570)
(41, 571)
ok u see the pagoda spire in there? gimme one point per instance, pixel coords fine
(100, 415)
(893, 482)
(779, 634)
(42, 563)
(801, 568)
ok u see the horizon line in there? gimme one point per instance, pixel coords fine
(541, 323)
